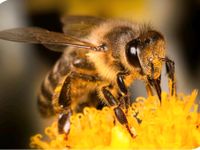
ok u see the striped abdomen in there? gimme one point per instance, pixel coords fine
(60, 69)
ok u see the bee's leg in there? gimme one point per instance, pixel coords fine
(64, 122)
(64, 99)
(149, 89)
(121, 117)
(155, 83)
(121, 84)
(112, 101)
(170, 68)
(64, 102)
(123, 89)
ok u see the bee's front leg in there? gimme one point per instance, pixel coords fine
(149, 89)
(120, 115)
(123, 89)
(170, 68)
(112, 101)
(155, 83)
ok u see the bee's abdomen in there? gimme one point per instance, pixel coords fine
(49, 84)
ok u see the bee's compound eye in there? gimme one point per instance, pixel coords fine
(132, 52)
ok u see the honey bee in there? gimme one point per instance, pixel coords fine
(100, 57)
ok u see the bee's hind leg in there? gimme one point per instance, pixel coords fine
(149, 89)
(64, 122)
(62, 102)
(63, 106)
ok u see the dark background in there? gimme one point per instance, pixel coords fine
(23, 66)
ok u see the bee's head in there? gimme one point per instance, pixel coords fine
(146, 52)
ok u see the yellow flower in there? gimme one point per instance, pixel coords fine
(173, 124)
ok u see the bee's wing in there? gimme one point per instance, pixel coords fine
(80, 26)
(52, 40)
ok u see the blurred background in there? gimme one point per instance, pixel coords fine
(24, 66)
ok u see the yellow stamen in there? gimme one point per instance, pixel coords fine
(173, 124)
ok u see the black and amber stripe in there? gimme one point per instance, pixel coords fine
(49, 85)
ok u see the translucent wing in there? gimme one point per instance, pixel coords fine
(52, 40)
(80, 26)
